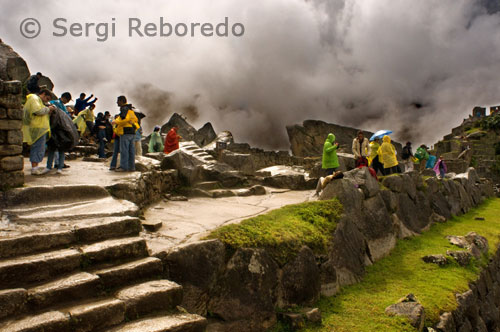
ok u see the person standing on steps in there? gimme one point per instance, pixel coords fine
(127, 124)
(36, 127)
(330, 161)
(360, 149)
(100, 128)
(440, 168)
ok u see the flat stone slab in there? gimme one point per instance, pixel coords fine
(183, 222)
(97, 174)
(173, 323)
(78, 209)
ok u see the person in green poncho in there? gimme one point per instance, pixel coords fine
(155, 142)
(330, 160)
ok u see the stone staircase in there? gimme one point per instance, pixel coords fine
(93, 275)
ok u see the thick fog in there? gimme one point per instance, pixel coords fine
(415, 67)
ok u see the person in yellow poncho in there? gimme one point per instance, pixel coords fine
(373, 159)
(85, 120)
(387, 155)
(36, 126)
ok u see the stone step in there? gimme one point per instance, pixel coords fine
(127, 273)
(96, 315)
(150, 296)
(52, 321)
(108, 228)
(114, 250)
(208, 185)
(101, 229)
(77, 286)
(30, 243)
(13, 301)
(40, 267)
(61, 210)
(172, 323)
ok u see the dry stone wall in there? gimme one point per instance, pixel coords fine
(11, 137)
(240, 289)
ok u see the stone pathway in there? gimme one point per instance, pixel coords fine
(187, 221)
(52, 201)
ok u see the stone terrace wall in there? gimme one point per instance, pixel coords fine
(478, 308)
(241, 289)
(11, 137)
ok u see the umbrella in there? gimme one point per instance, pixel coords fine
(380, 134)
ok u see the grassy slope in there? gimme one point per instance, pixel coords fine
(361, 307)
(284, 231)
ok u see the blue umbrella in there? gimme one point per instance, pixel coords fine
(380, 134)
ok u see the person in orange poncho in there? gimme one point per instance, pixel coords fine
(172, 141)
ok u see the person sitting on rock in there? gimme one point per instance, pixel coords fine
(360, 149)
(155, 142)
(387, 154)
(32, 83)
(330, 161)
(172, 140)
(440, 167)
(36, 127)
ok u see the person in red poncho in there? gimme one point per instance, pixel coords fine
(172, 141)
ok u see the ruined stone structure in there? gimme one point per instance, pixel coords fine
(11, 137)
(470, 145)
(307, 140)
(244, 287)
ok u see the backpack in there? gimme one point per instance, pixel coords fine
(406, 152)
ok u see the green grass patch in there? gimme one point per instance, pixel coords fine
(360, 307)
(284, 231)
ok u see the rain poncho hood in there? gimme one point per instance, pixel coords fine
(387, 153)
(330, 159)
(34, 126)
(155, 142)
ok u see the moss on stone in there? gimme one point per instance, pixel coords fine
(284, 231)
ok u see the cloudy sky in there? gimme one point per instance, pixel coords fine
(416, 67)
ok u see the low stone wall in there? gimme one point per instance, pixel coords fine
(11, 137)
(240, 289)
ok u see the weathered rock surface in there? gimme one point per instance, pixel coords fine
(307, 140)
(409, 308)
